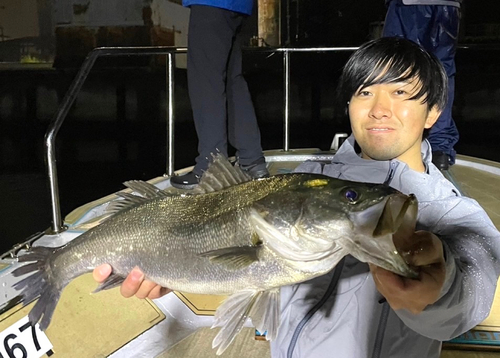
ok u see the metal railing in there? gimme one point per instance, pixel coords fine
(50, 136)
(286, 80)
(68, 100)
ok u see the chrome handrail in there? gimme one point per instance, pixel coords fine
(68, 100)
(286, 79)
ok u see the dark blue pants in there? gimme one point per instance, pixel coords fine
(435, 28)
(221, 103)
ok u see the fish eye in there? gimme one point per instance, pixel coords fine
(351, 195)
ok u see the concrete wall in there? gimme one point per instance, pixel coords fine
(85, 24)
(19, 18)
(168, 14)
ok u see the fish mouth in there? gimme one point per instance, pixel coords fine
(399, 210)
(388, 216)
(382, 233)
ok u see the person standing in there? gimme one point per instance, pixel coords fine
(222, 107)
(433, 24)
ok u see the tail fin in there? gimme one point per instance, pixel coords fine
(40, 283)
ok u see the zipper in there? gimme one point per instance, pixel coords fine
(379, 338)
(392, 170)
(312, 311)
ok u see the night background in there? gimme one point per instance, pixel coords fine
(116, 130)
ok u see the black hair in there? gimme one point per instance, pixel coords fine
(394, 59)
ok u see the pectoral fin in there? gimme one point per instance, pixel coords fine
(234, 258)
(261, 306)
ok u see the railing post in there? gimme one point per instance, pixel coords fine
(286, 110)
(170, 112)
(50, 138)
(57, 222)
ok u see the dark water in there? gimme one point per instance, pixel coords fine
(116, 130)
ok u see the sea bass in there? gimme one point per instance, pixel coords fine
(233, 236)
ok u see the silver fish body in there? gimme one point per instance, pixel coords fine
(240, 238)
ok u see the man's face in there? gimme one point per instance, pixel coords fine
(387, 124)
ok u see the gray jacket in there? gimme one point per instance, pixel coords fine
(341, 314)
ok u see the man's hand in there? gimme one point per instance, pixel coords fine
(134, 284)
(423, 251)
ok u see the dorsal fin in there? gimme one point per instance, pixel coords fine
(146, 189)
(143, 192)
(128, 201)
(220, 175)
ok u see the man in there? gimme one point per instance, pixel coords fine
(433, 24)
(221, 103)
(393, 91)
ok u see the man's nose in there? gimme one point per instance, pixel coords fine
(381, 107)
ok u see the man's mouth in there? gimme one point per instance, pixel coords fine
(380, 129)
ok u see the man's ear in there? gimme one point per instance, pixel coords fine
(432, 117)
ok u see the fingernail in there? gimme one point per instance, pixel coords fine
(104, 270)
(136, 275)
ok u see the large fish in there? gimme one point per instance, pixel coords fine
(238, 237)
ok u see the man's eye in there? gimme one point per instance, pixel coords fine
(363, 93)
(400, 92)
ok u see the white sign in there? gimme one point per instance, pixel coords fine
(22, 340)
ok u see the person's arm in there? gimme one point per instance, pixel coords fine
(471, 248)
(134, 284)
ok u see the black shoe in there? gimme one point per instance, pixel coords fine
(186, 181)
(441, 160)
(258, 170)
